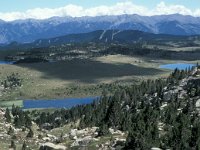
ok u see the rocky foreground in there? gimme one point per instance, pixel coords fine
(63, 138)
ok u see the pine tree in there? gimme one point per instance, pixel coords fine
(28, 122)
(10, 131)
(12, 145)
(30, 134)
(103, 130)
(7, 115)
(24, 146)
(17, 122)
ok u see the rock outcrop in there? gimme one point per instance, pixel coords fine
(51, 146)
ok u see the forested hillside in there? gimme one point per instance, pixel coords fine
(162, 113)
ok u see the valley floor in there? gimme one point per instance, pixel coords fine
(79, 78)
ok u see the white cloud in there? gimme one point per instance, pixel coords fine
(117, 9)
(162, 8)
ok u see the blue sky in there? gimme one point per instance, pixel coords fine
(22, 5)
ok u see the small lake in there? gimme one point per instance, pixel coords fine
(180, 66)
(58, 103)
(6, 62)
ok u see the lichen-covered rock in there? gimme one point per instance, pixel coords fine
(154, 148)
(198, 104)
(169, 95)
(51, 146)
(83, 141)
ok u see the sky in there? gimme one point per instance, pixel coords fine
(42, 9)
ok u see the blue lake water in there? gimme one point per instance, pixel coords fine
(6, 62)
(180, 66)
(58, 103)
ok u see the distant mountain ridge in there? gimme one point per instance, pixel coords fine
(30, 30)
(106, 36)
(102, 36)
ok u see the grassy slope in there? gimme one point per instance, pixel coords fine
(79, 78)
(72, 78)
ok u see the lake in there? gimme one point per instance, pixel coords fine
(58, 103)
(6, 62)
(180, 66)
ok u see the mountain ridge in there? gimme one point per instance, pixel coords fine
(101, 36)
(29, 30)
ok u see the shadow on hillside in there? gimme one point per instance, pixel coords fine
(88, 71)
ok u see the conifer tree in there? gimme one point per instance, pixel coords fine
(7, 115)
(24, 146)
(30, 134)
(10, 131)
(12, 145)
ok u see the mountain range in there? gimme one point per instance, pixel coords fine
(25, 31)
(107, 36)
(102, 36)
